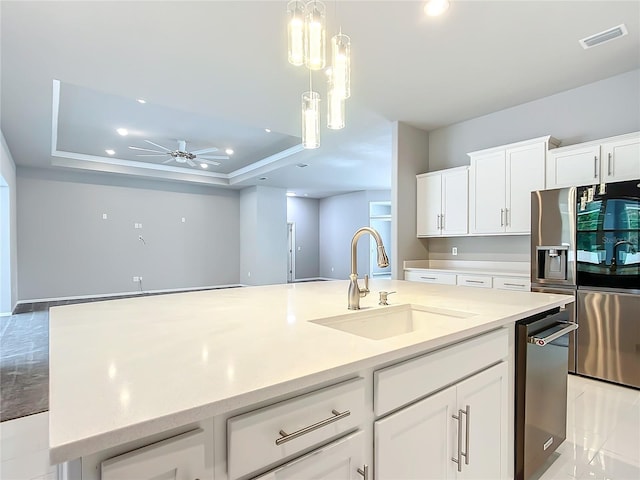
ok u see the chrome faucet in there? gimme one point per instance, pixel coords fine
(355, 292)
(614, 260)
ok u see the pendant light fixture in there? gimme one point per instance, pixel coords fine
(315, 34)
(335, 110)
(295, 31)
(310, 118)
(341, 65)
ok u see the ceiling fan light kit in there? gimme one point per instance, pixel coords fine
(306, 34)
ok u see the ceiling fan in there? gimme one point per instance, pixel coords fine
(181, 154)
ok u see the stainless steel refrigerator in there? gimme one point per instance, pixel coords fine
(585, 242)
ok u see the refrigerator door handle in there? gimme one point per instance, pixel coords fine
(542, 341)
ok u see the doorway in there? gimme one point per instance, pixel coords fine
(5, 249)
(380, 220)
(291, 256)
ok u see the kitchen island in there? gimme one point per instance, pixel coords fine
(144, 371)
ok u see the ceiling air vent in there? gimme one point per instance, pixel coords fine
(603, 37)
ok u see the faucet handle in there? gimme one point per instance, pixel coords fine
(383, 297)
(366, 284)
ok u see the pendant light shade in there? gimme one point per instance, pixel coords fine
(310, 119)
(295, 30)
(335, 110)
(315, 35)
(341, 65)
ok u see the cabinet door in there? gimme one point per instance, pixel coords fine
(416, 442)
(621, 160)
(485, 397)
(339, 460)
(488, 189)
(573, 167)
(178, 458)
(455, 203)
(428, 208)
(525, 173)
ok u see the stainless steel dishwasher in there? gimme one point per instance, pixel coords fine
(542, 354)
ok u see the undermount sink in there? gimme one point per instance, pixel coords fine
(390, 322)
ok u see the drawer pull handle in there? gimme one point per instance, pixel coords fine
(514, 284)
(285, 437)
(364, 472)
(474, 281)
(428, 278)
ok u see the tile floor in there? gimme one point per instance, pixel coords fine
(603, 438)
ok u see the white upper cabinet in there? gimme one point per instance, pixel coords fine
(442, 203)
(500, 185)
(607, 160)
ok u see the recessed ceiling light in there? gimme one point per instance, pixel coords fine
(110, 152)
(204, 165)
(268, 130)
(433, 8)
(123, 131)
(263, 178)
(229, 151)
(302, 165)
(291, 194)
(142, 100)
(306, 194)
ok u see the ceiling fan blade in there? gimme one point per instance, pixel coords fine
(159, 146)
(205, 150)
(151, 155)
(214, 157)
(167, 161)
(209, 162)
(190, 162)
(145, 149)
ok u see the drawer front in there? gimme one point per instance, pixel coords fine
(430, 277)
(408, 381)
(512, 283)
(474, 281)
(297, 424)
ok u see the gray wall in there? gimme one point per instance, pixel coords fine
(9, 237)
(305, 214)
(340, 217)
(409, 158)
(597, 110)
(263, 236)
(66, 248)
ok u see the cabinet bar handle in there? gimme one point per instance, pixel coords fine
(609, 165)
(514, 284)
(466, 435)
(428, 278)
(438, 222)
(506, 217)
(502, 217)
(458, 460)
(442, 222)
(364, 471)
(595, 167)
(474, 281)
(285, 437)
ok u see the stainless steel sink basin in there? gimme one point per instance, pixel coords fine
(390, 322)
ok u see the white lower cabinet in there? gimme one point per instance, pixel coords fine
(460, 432)
(340, 460)
(178, 458)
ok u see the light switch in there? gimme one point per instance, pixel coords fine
(104, 216)
(299, 248)
(184, 219)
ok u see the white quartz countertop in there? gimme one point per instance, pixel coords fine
(472, 271)
(124, 369)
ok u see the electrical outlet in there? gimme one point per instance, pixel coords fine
(454, 251)
(248, 274)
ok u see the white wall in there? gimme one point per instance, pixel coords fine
(67, 249)
(410, 157)
(305, 214)
(597, 110)
(263, 236)
(8, 233)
